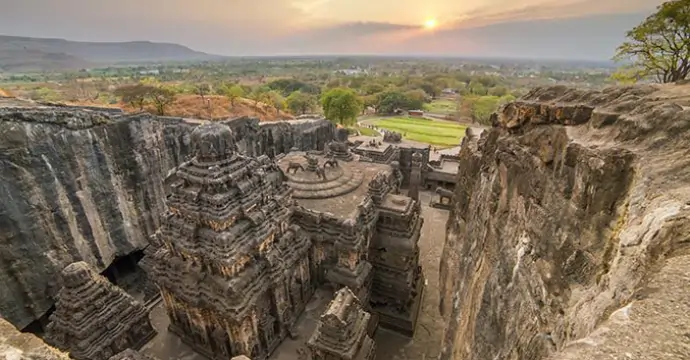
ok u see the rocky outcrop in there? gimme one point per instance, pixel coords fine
(22, 346)
(273, 138)
(79, 185)
(567, 211)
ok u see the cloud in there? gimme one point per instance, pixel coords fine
(550, 9)
(570, 28)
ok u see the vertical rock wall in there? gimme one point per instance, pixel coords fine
(81, 185)
(562, 211)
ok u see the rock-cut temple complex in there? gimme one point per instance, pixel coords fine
(247, 241)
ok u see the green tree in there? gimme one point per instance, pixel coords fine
(233, 92)
(275, 100)
(135, 95)
(259, 94)
(627, 75)
(162, 97)
(373, 88)
(415, 99)
(476, 88)
(301, 103)
(341, 105)
(498, 91)
(431, 89)
(660, 45)
(202, 90)
(390, 101)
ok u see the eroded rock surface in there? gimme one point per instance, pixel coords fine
(563, 212)
(87, 185)
(22, 346)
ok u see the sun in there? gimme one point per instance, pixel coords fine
(430, 23)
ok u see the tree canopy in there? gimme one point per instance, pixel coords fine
(341, 105)
(660, 45)
(301, 103)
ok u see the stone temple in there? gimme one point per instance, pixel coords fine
(247, 241)
(95, 319)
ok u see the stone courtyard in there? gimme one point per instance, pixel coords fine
(390, 346)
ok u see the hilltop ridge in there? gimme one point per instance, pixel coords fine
(25, 54)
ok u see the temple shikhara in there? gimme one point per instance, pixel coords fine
(341, 333)
(247, 241)
(234, 271)
(94, 319)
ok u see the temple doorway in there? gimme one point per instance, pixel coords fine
(125, 273)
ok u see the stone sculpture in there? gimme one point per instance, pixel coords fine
(341, 333)
(332, 162)
(321, 173)
(340, 150)
(95, 319)
(312, 162)
(294, 166)
(445, 195)
(234, 272)
(392, 137)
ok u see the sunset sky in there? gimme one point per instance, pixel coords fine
(582, 29)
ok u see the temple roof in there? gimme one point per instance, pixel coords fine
(341, 330)
(91, 313)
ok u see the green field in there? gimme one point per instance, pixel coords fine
(441, 106)
(433, 132)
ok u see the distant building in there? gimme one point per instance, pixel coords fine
(150, 72)
(416, 113)
(352, 72)
(448, 91)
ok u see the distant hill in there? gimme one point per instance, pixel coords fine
(24, 54)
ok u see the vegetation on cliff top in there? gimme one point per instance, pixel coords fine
(659, 46)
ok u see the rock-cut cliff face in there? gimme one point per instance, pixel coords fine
(83, 185)
(565, 211)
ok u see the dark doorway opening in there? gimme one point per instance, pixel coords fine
(125, 273)
(38, 326)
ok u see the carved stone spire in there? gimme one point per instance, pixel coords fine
(232, 270)
(342, 330)
(95, 319)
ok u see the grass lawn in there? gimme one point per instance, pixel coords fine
(441, 106)
(433, 132)
(365, 131)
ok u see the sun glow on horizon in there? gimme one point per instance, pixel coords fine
(430, 24)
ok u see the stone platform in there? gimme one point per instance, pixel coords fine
(343, 190)
(340, 180)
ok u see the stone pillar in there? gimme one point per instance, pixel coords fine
(415, 176)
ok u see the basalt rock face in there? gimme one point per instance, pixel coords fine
(273, 138)
(562, 213)
(86, 185)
